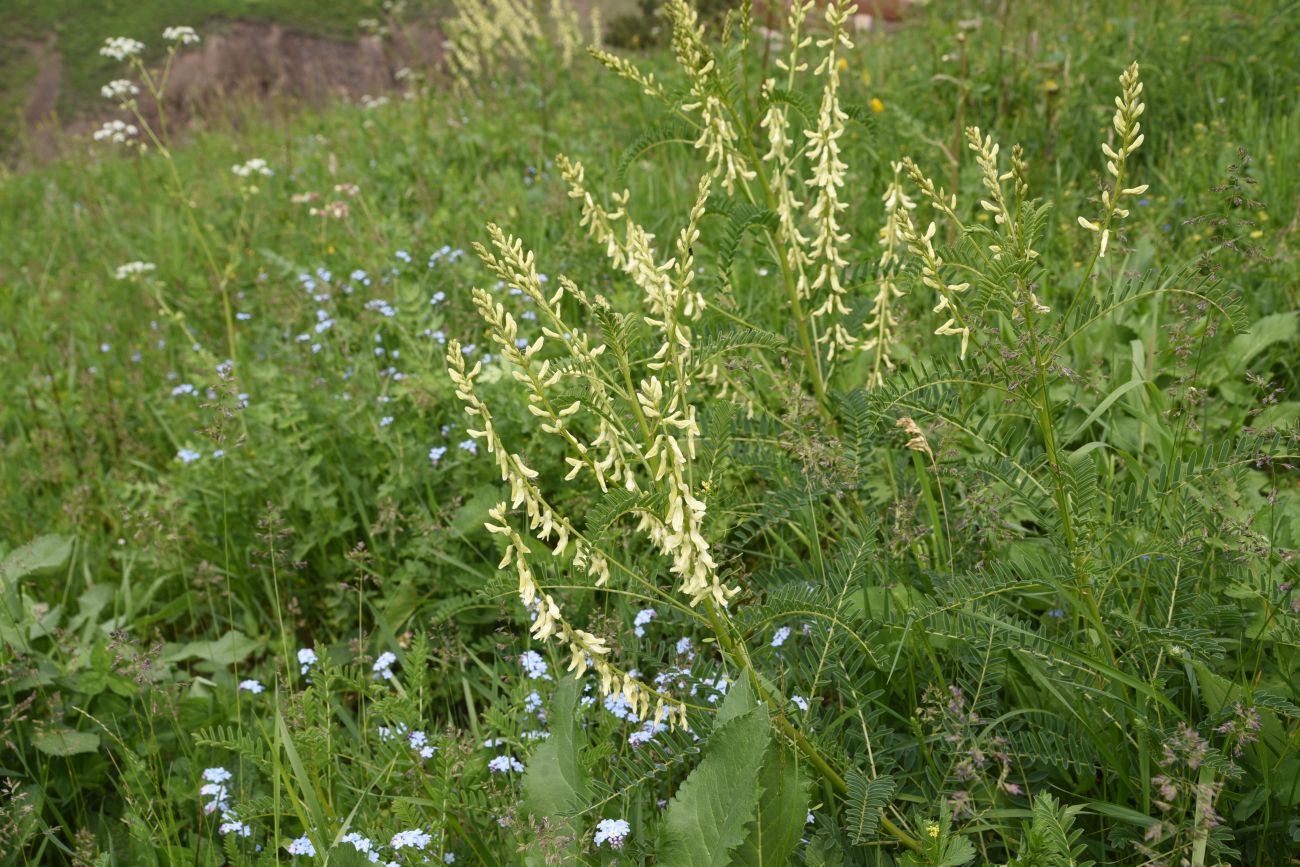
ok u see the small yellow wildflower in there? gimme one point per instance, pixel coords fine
(1262, 216)
(876, 105)
(841, 64)
(1257, 234)
(329, 249)
(1185, 38)
(1196, 236)
(866, 77)
(932, 829)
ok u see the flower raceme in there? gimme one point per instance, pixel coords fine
(485, 35)
(637, 431)
(827, 179)
(718, 136)
(1009, 212)
(882, 321)
(810, 238)
(1128, 108)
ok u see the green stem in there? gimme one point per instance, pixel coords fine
(1048, 432)
(1096, 254)
(940, 548)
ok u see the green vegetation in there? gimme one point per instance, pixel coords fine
(1029, 597)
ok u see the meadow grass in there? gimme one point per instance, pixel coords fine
(254, 449)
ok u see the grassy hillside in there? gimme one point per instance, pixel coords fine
(1062, 620)
(70, 33)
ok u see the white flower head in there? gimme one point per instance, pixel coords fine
(117, 132)
(121, 47)
(306, 659)
(134, 269)
(255, 166)
(252, 686)
(182, 35)
(119, 90)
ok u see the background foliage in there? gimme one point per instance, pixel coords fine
(996, 694)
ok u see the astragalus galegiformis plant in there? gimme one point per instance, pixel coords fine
(1017, 549)
(487, 37)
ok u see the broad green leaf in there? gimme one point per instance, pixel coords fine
(471, 516)
(708, 816)
(1218, 693)
(1247, 806)
(91, 604)
(38, 555)
(92, 683)
(1229, 368)
(782, 812)
(229, 649)
(867, 797)
(740, 700)
(1263, 333)
(66, 742)
(555, 782)
(1286, 782)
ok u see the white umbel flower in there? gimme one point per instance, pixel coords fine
(256, 166)
(121, 48)
(117, 132)
(132, 270)
(119, 90)
(181, 35)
